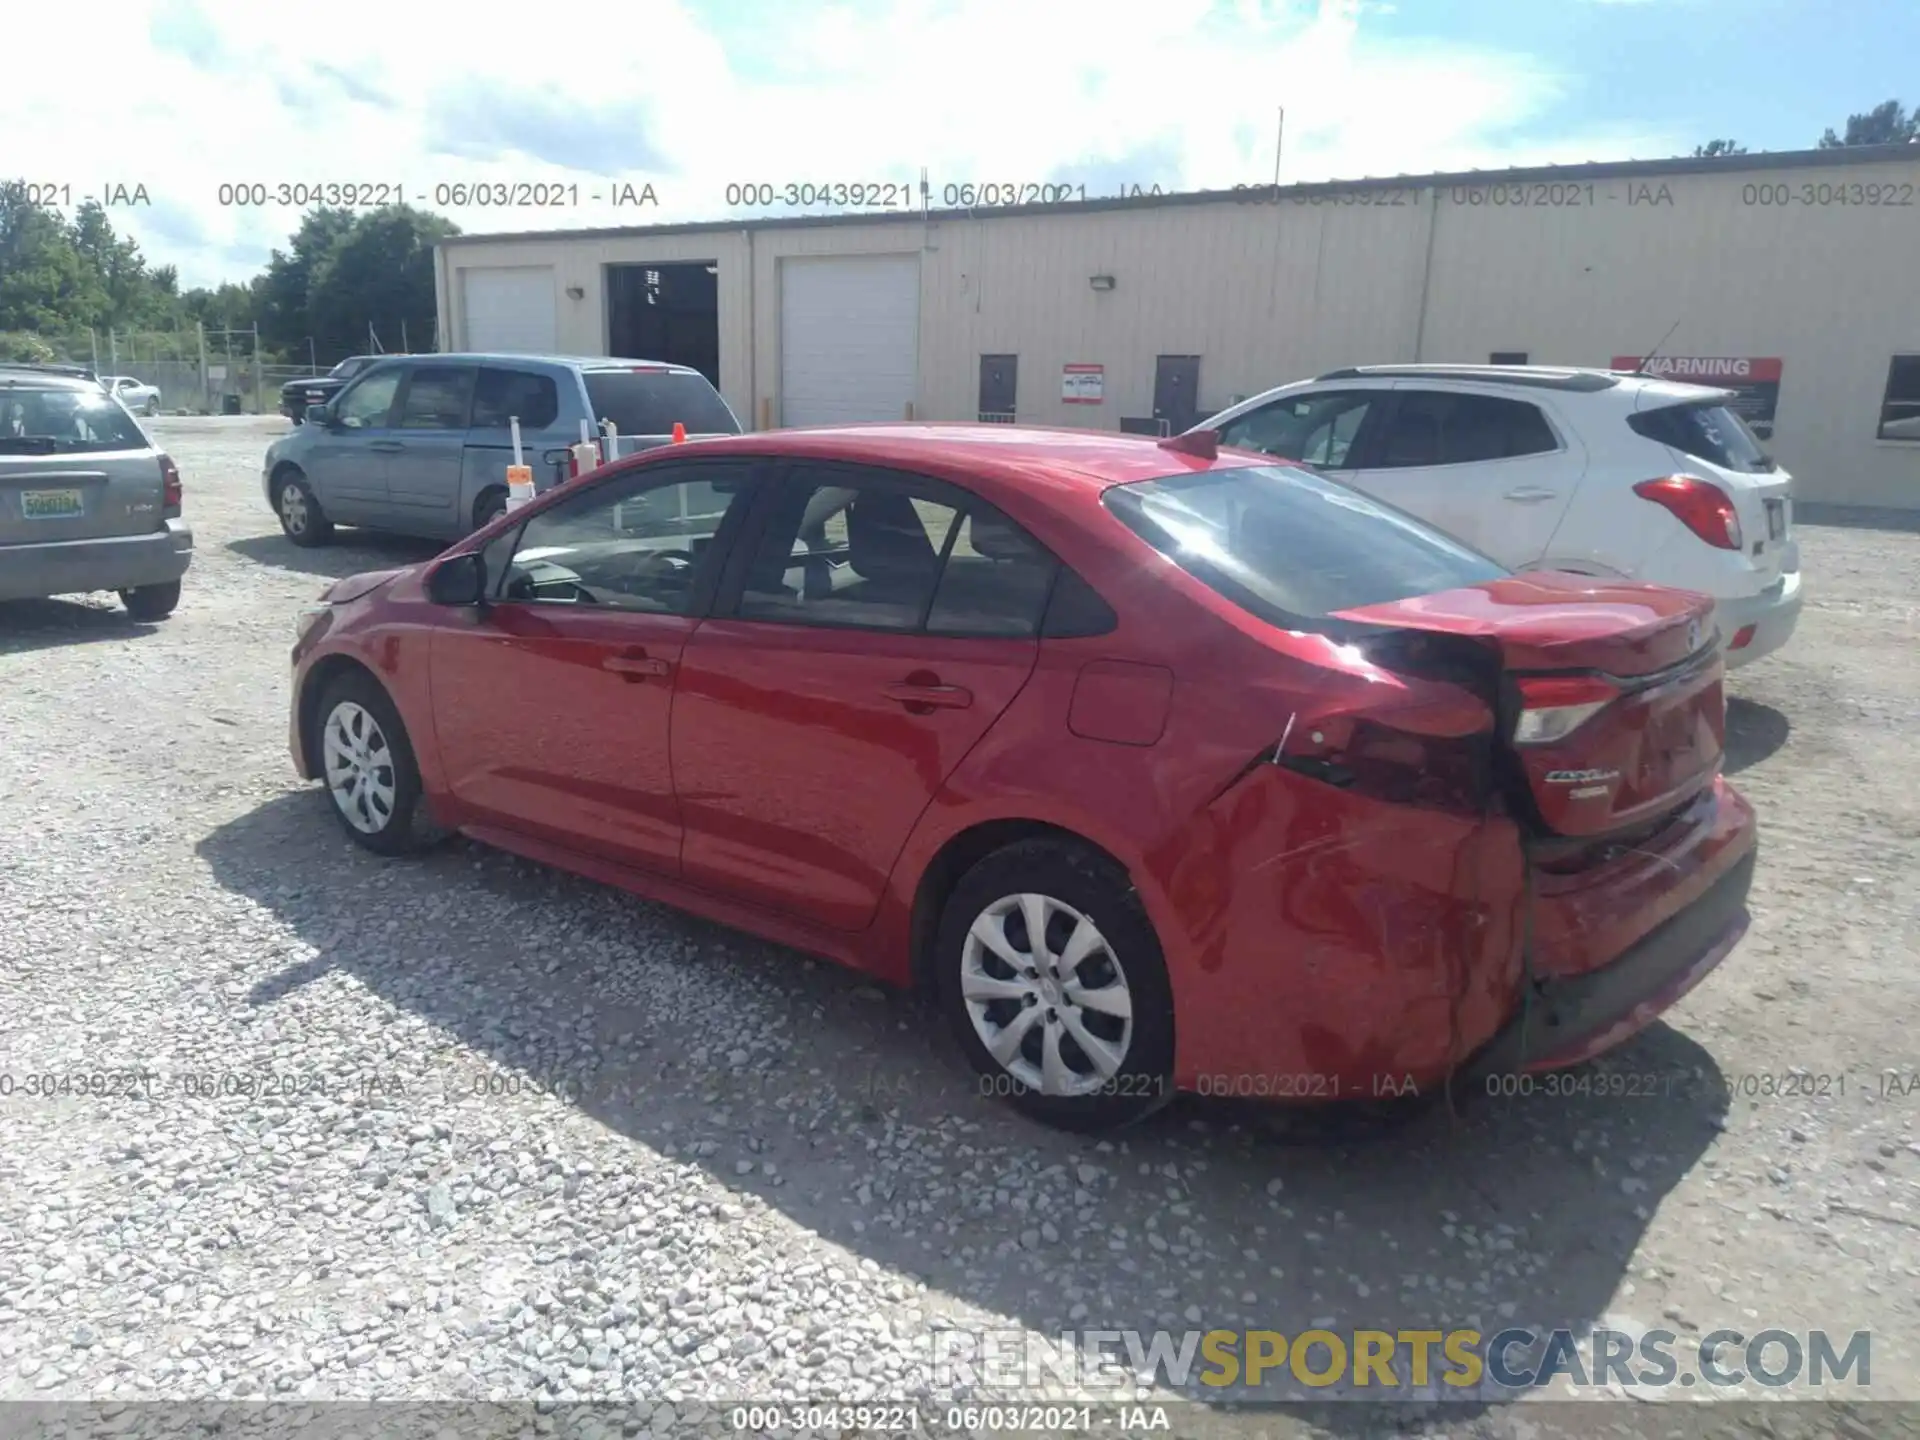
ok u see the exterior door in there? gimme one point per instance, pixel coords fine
(1491, 470)
(552, 702)
(347, 462)
(874, 630)
(999, 377)
(1176, 391)
(430, 435)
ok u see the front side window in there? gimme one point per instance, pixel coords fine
(1318, 428)
(1900, 407)
(1292, 547)
(438, 397)
(642, 543)
(366, 405)
(1437, 427)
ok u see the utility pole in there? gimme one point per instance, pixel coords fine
(313, 359)
(259, 375)
(113, 350)
(93, 346)
(405, 349)
(200, 329)
(1279, 140)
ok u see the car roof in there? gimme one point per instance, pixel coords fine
(45, 378)
(1022, 457)
(571, 362)
(1573, 379)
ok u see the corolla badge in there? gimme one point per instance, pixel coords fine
(1693, 636)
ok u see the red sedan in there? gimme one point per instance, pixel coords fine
(1166, 768)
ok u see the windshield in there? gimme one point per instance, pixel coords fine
(1292, 547)
(1711, 432)
(348, 368)
(65, 420)
(650, 402)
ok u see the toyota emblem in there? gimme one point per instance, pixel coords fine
(1693, 636)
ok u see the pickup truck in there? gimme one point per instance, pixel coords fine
(297, 395)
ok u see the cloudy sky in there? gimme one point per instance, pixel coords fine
(183, 96)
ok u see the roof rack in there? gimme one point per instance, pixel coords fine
(79, 372)
(1538, 379)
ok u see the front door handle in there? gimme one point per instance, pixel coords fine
(386, 447)
(929, 697)
(1531, 493)
(635, 667)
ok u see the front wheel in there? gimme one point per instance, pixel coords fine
(1054, 982)
(367, 763)
(151, 602)
(301, 517)
(153, 407)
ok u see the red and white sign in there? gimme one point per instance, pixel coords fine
(1755, 380)
(1083, 384)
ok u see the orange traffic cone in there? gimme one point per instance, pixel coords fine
(679, 433)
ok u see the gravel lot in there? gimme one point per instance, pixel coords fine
(515, 1135)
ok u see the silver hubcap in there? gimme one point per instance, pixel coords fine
(359, 768)
(1046, 995)
(293, 508)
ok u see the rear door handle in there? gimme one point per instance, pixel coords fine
(1531, 492)
(936, 697)
(386, 447)
(635, 667)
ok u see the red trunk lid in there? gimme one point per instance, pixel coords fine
(1611, 704)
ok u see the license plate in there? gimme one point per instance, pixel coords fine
(1776, 519)
(51, 504)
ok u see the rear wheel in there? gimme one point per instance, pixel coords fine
(367, 763)
(153, 406)
(151, 602)
(1055, 985)
(300, 514)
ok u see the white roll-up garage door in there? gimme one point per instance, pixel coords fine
(849, 338)
(510, 308)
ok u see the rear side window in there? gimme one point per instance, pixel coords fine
(1435, 427)
(502, 395)
(1292, 547)
(437, 398)
(1707, 432)
(73, 421)
(651, 402)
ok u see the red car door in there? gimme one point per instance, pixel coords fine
(551, 704)
(879, 627)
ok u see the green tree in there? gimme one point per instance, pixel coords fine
(45, 285)
(380, 273)
(1713, 149)
(130, 298)
(1885, 124)
(285, 288)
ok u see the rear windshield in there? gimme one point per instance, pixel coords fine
(1709, 432)
(649, 402)
(65, 421)
(1293, 547)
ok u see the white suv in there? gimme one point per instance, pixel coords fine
(1593, 471)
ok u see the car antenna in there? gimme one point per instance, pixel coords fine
(1647, 359)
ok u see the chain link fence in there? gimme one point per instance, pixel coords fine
(197, 372)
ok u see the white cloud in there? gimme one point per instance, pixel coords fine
(185, 96)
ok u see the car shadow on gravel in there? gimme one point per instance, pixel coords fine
(1754, 733)
(28, 625)
(351, 552)
(809, 1090)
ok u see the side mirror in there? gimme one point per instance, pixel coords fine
(320, 414)
(459, 580)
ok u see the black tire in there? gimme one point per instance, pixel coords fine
(308, 526)
(153, 407)
(152, 602)
(1079, 879)
(399, 827)
(489, 506)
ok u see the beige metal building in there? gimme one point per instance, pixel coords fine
(1794, 277)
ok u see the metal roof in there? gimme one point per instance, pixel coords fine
(1592, 170)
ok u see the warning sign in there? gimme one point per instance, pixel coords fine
(1083, 384)
(1754, 381)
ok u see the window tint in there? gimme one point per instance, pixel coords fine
(437, 398)
(1707, 432)
(501, 395)
(641, 543)
(837, 551)
(650, 402)
(67, 420)
(1900, 407)
(365, 403)
(1318, 428)
(1076, 609)
(1290, 546)
(995, 581)
(1431, 427)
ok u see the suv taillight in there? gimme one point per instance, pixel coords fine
(1702, 506)
(1552, 707)
(169, 488)
(1366, 757)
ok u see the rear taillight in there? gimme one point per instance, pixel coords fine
(1702, 506)
(1366, 757)
(1552, 707)
(169, 488)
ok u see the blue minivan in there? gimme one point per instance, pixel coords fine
(420, 444)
